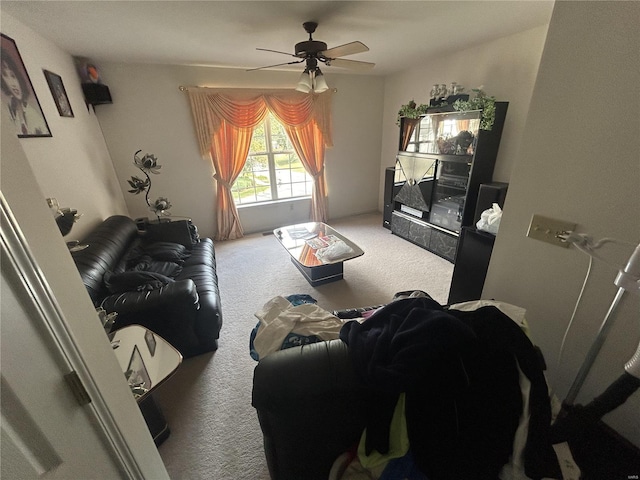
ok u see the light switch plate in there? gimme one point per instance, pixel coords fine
(547, 230)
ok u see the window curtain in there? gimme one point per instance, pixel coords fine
(308, 143)
(407, 127)
(463, 125)
(228, 154)
(224, 122)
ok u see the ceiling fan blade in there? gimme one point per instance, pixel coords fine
(276, 65)
(275, 51)
(346, 49)
(352, 64)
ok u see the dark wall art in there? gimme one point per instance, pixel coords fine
(18, 95)
(59, 93)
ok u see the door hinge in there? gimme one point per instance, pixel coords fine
(77, 388)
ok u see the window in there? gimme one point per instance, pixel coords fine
(273, 170)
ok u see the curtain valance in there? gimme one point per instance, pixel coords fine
(246, 108)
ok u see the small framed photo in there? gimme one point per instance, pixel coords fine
(59, 93)
(151, 342)
(18, 95)
(137, 374)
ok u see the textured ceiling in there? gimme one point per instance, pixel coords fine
(226, 33)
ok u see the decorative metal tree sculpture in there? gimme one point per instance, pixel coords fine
(148, 163)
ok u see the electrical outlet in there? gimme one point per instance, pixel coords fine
(547, 230)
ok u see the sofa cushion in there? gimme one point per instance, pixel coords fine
(135, 281)
(148, 264)
(177, 231)
(167, 251)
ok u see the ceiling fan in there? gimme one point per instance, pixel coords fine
(313, 51)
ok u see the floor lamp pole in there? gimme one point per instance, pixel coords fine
(605, 327)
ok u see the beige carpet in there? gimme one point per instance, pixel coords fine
(215, 431)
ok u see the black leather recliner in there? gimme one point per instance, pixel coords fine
(185, 312)
(309, 404)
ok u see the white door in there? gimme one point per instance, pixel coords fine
(46, 433)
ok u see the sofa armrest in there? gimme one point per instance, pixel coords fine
(309, 404)
(182, 292)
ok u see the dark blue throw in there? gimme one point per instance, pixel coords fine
(460, 374)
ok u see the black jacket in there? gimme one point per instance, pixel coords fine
(460, 374)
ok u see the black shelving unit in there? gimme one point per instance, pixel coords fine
(454, 182)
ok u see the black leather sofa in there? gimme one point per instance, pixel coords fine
(184, 309)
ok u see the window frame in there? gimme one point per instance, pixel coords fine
(271, 155)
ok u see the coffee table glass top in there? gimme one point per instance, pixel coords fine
(314, 244)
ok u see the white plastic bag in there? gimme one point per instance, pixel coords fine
(333, 252)
(490, 219)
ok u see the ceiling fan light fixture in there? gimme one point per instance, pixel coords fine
(305, 83)
(319, 83)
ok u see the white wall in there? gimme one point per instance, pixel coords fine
(578, 162)
(506, 67)
(150, 113)
(74, 165)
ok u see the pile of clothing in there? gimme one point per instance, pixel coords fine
(458, 394)
(286, 322)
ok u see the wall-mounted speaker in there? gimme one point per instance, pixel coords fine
(96, 93)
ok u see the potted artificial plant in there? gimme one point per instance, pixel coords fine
(411, 112)
(480, 102)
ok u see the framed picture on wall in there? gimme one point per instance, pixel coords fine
(18, 95)
(59, 93)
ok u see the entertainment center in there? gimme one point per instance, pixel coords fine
(443, 157)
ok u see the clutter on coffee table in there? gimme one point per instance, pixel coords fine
(317, 250)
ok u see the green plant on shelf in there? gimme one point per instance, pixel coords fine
(483, 102)
(411, 110)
